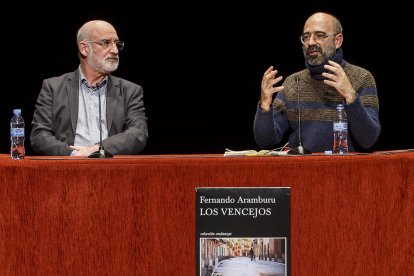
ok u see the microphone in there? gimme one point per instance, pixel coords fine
(299, 150)
(100, 153)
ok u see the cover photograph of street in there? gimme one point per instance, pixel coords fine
(243, 257)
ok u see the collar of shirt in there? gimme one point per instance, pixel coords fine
(84, 81)
(98, 86)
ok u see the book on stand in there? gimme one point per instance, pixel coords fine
(243, 230)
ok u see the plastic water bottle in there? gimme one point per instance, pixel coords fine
(340, 131)
(17, 135)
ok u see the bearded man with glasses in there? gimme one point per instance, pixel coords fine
(76, 111)
(305, 102)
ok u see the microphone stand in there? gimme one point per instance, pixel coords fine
(101, 153)
(299, 150)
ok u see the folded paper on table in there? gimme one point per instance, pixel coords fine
(254, 153)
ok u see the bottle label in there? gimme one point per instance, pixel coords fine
(340, 126)
(17, 132)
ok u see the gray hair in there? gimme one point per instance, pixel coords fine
(337, 25)
(82, 34)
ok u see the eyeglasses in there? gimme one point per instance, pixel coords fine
(318, 37)
(105, 43)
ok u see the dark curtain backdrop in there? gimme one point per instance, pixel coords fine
(201, 65)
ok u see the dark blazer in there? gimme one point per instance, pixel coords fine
(56, 114)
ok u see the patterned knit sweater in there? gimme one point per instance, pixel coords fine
(318, 102)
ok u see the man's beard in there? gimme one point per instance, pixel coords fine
(104, 66)
(318, 59)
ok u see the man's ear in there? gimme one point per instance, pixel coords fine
(338, 40)
(83, 49)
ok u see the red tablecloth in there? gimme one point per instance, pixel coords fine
(135, 215)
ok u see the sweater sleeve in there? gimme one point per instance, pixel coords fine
(363, 118)
(269, 127)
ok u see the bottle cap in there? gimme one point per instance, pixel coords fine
(17, 111)
(339, 106)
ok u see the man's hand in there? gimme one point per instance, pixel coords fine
(268, 89)
(339, 80)
(84, 151)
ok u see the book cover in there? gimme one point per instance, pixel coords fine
(243, 231)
